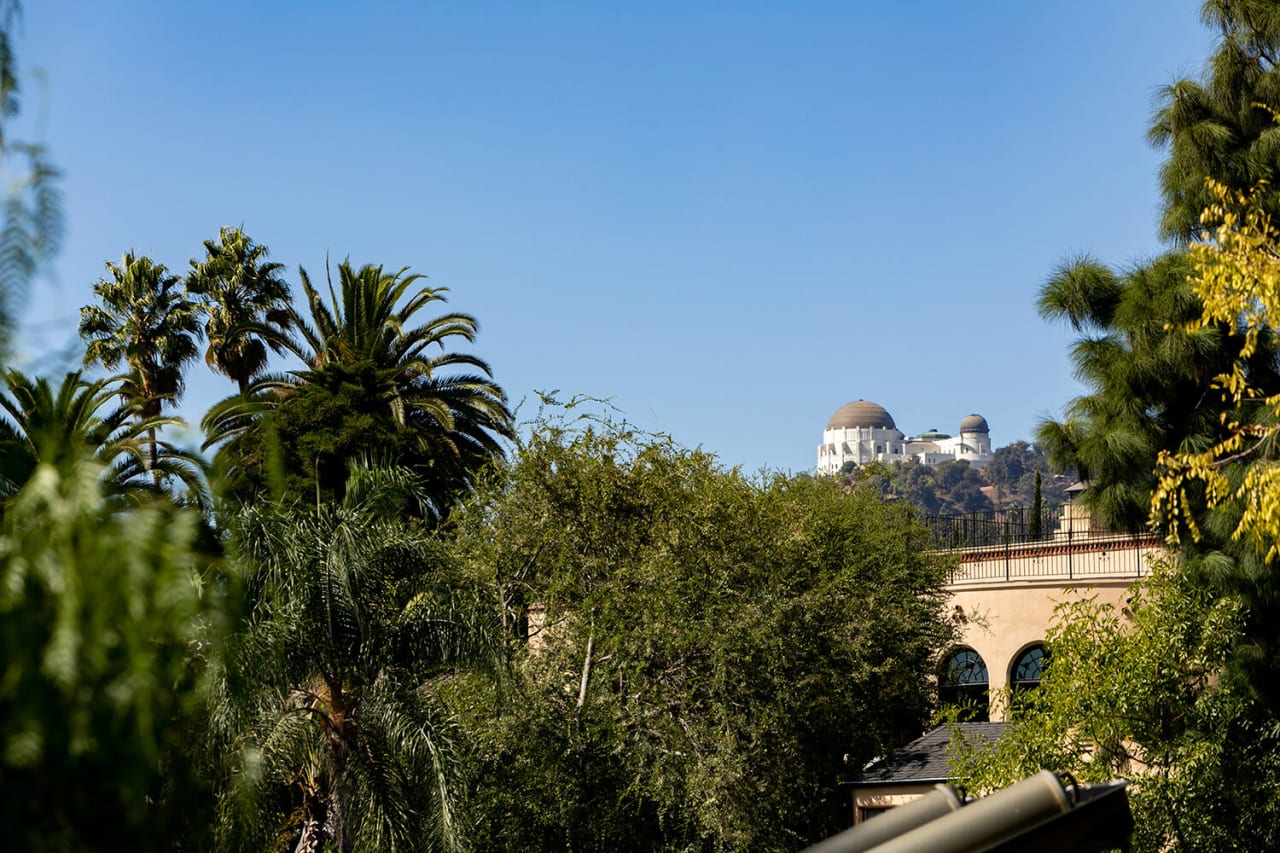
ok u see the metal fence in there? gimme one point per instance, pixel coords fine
(1016, 525)
(1008, 545)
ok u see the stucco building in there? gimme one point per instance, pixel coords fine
(1010, 576)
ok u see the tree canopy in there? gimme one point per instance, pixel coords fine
(239, 291)
(1137, 692)
(1220, 129)
(328, 707)
(107, 619)
(371, 385)
(60, 427)
(1147, 373)
(693, 650)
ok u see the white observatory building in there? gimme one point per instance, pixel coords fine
(861, 432)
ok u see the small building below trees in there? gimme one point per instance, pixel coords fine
(912, 771)
(1012, 572)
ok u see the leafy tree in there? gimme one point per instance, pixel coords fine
(41, 425)
(693, 651)
(238, 291)
(1009, 464)
(914, 483)
(145, 322)
(1221, 128)
(1223, 500)
(1013, 469)
(303, 443)
(1138, 692)
(105, 625)
(1148, 377)
(961, 486)
(365, 346)
(329, 698)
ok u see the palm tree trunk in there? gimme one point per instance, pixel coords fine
(313, 821)
(342, 840)
(155, 459)
(337, 745)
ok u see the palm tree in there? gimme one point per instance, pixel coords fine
(439, 412)
(329, 698)
(146, 323)
(239, 290)
(41, 424)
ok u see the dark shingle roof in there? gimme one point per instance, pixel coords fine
(925, 758)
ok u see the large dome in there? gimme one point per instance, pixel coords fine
(860, 413)
(974, 423)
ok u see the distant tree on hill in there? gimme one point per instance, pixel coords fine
(1008, 465)
(1012, 472)
(960, 487)
(955, 487)
(949, 488)
(914, 483)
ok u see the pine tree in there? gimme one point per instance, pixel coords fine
(1036, 510)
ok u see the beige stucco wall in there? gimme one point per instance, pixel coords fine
(1000, 619)
(886, 796)
(1000, 622)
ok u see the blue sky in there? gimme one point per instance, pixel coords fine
(730, 218)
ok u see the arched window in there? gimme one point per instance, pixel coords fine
(963, 680)
(1028, 668)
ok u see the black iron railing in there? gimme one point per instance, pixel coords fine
(1014, 545)
(1016, 525)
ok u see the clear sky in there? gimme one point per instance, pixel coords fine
(731, 218)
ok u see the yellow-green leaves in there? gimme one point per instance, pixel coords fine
(1237, 278)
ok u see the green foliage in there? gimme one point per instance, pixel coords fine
(328, 704)
(106, 626)
(300, 444)
(947, 488)
(1148, 376)
(145, 322)
(1139, 692)
(238, 290)
(694, 651)
(59, 428)
(1221, 127)
(1013, 469)
(1224, 497)
(955, 487)
(363, 348)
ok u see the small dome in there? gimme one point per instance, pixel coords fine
(974, 423)
(860, 413)
(932, 435)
